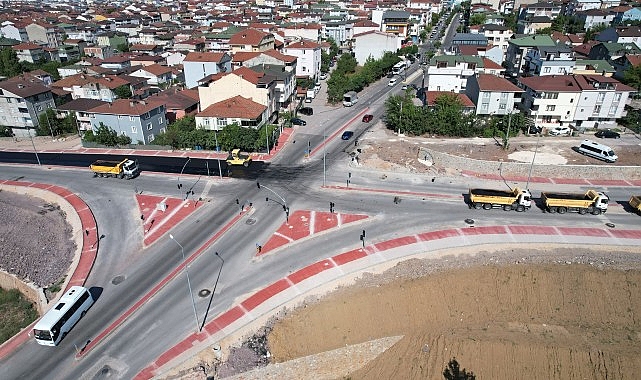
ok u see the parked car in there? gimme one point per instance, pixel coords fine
(607, 134)
(367, 118)
(323, 76)
(347, 135)
(404, 87)
(392, 82)
(297, 121)
(560, 131)
(306, 111)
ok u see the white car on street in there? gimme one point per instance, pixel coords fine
(392, 82)
(560, 131)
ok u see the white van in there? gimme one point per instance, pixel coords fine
(596, 150)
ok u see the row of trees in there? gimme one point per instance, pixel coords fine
(446, 118)
(10, 66)
(349, 77)
(183, 134)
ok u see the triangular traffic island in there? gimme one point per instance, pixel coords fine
(158, 214)
(305, 223)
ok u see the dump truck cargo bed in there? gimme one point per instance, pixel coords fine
(492, 193)
(568, 196)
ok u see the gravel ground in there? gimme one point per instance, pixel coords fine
(35, 239)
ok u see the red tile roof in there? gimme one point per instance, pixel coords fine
(234, 107)
(491, 65)
(433, 95)
(126, 107)
(248, 36)
(203, 57)
(489, 82)
(280, 56)
(303, 44)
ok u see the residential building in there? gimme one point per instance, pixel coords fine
(142, 121)
(622, 64)
(595, 17)
(450, 73)
(395, 22)
(79, 108)
(308, 55)
(467, 105)
(116, 62)
(593, 67)
(497, 35)
(549, 60)
(15, 30)
(621, 34)
(259, 87)
(584, 101)
(44, 33)
(610, 51)
(374, 44)
(251, 40)
(178, 103)
(493, 95)
(306, 31)
(112, 38)
(22, 100)
(102, 52)
(156, 75)
(198, 65)
(339, 30)
(533, 24)
(285, 83)
(519, 47)
(236, 110)
(92, 86)
(29, 52)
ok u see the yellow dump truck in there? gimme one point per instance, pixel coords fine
(516, 199)
(237, 158)
(118, 169)
(635, 202)
(591, 201)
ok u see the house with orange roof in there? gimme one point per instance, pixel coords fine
(259, 87)
(236, 110)
(308, 55)
(251, 40)
(493, 95)
(178, 103)
(268, 57)
(362, 26)
(91, 86)
(432, 97)
(142, 121)
(198, 65)
(156, 75)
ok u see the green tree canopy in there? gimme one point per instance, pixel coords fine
(123, 92)
(9, 65)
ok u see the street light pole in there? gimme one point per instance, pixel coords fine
(324, 155)
(267, 139)
(507, 135)
(181, 173)
(193, 303)
(285, 208)
(213, 290)
(34, 146)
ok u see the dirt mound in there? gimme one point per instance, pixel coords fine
(535, 321)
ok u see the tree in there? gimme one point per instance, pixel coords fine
(5, 131)
(453, 372)
(593, 31)
(632, 77)
(123, 92)
(123, 47)
(9, 64)
(478, 19)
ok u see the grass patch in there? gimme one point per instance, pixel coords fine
(16, 312)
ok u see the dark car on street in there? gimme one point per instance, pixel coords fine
(306, 111)
(607, 134)
(297, 121)
(347, 135)
(367, 118)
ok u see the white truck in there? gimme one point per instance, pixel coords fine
(350, 98)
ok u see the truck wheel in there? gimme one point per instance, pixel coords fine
(552, 210)
(562, 210)
(520, 208)
(477, 206)
(121, 176)
(596, 211)
(246, 164)
(583, 211)
(487, 206)
(507, 207)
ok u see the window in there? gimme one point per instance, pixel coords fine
(486, 95)
(550, 107)
(134, 129)
(504, 95)
(613, 110)
(160, 120)
(121, 116)
(24, 110)
(597, 109)
(547, 69)
(601, 97)
(149, 127)
(131, 118)
(617, 96)
(221, 122)
(502, 106)
(38, 108)
(8, 100)
(206, 121)
(485, 106)
(150, 138)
